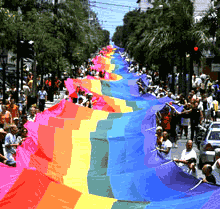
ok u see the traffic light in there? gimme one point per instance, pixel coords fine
(196, 48)
(27, 49)
(196, 54)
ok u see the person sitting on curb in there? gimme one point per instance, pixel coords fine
(207, 171)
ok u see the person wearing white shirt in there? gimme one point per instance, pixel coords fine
(187, 154)
(165, 147)
(216, 166)
(80, 102)
(200, 106)
(11, 145)
(42, 98)
(209, 106)
(203, 76)
(198, 81)
(156, 90)
(82, 95)
(194, 82)
(32, 115)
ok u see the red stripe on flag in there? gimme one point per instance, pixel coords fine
(27, 191)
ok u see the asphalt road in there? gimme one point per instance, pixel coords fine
(56, 100)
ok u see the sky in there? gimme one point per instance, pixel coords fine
(110, 16)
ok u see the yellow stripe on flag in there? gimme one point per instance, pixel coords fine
(111, 68)
(96, 86)
(76, 176)
(122, 103)
(118, 77)
(94, 202)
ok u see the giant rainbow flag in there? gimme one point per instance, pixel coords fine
(100, 158)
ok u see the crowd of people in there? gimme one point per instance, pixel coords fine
(87, 69)
(199, 106)
(79, 97)
(22, 106)
(13, 115)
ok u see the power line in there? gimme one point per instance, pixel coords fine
(113, 10)
(118, 5)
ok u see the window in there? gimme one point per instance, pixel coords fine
(215, 126)
(214, 136)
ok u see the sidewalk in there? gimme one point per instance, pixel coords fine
(49, 104)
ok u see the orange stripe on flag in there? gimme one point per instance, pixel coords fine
(59, 196)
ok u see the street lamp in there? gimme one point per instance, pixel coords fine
(4, 60)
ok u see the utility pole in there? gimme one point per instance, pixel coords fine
(18, 62)
(217, 6)
(35, 77)
(22, 73)
(18, 58)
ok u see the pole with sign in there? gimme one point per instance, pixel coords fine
(215, 67)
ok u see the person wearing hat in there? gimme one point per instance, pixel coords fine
(16, 121)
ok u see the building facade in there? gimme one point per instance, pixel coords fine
(144, 5)
(199, 6)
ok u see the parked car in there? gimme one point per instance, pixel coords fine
(202, 133)
(214, 124)
(208, 145)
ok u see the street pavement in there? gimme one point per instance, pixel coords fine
(56, 100)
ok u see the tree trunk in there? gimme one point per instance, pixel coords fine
(191, 72)
(22, 74)
(180, 81)
(42, 75)
(35, 77)
(173, 77)
(184, 75)
(18, 62)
